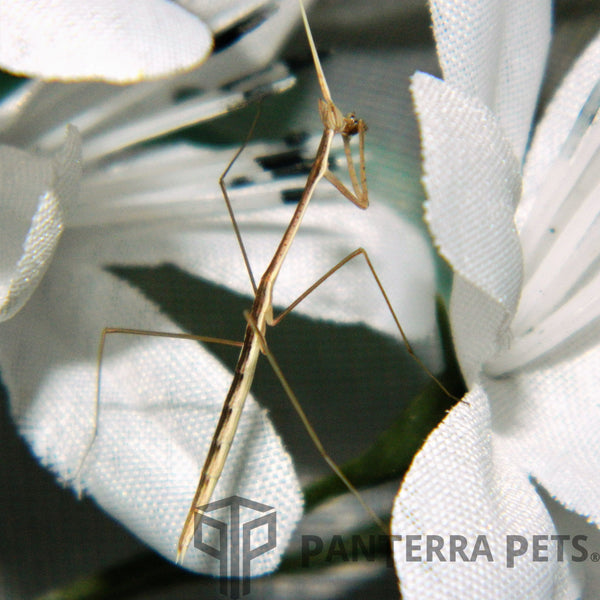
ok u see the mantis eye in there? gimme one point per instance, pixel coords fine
(351, 124)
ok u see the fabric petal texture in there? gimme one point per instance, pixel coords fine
(473, 184)
(549, 402)
(112, 41)
(553, 129)
(485, 496)
(35, 192)
(481, 46)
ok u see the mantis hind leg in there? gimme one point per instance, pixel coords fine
(307, 425)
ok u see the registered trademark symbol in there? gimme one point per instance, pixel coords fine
(595, 556)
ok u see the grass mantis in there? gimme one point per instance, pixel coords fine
(260, 315)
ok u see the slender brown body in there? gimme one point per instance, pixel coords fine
(261, 313)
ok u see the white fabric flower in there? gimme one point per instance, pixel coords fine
(519, 457)
(61, 229)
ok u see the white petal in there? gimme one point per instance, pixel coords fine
(558, 120)
(473, 184)
(461, 483)
(159, 404)
(162, 118)
(496, 51)
(114, 41)
(256, 49)
(554, 432)
(36, 192)
(13, 102)
(479, 326)
(586, 573)
(113, 117)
